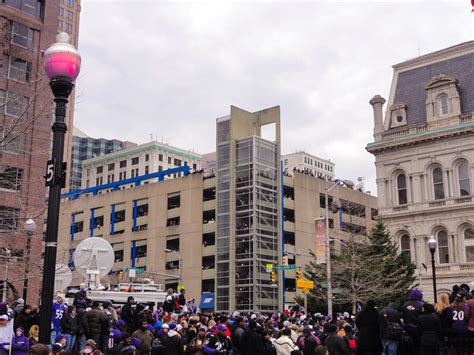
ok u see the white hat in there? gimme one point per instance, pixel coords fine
(179, 327)
(253, 316)
(4, 317)
(165, 326)
(286, 323)
(168, 298)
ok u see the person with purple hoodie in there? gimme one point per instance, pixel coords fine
(20, 342)
(460, 321)
(411, 310)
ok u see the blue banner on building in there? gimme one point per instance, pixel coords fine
(207, 300)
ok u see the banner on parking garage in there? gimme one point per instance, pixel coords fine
(320, 240)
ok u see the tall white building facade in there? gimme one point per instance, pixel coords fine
(136, 161)
(305, 162)
(424, 157)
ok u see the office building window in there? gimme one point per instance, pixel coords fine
(405, 245)
(123, 164)
(402, 189)
(30, 7)
(174, 200)
(99, 169)
(13, 104)
(172, 242)
(469, 244)
(18, 69)
(147, 157)
(443, 248)
(69, 15)
(111, 167)
(10, 178)
(13, 142)
(464, 182)
(70, 2)
(135, 161)
(160, 157)
(438, 183)
(8, 218)
(68, 27)
(22, 35)
(169, 160)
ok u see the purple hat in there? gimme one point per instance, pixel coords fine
(416, 295)
(117, 333)
(172, 326)
(136, 342)
(59, 337)
(222, 327)
(3, 307)
(150, 328)
(120, 323)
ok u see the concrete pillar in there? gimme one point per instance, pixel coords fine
(448, 183)
(381, 192)
(377, 103)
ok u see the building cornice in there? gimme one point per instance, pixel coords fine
(454, 51)
(142, 148)
(421, 137)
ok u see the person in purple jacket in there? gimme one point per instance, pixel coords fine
(20, 342)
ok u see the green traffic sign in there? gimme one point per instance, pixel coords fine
(282, 267)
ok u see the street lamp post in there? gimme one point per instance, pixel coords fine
(328, 247)
(180, 261)
(30, 230)
(432, 246)
(62, 64)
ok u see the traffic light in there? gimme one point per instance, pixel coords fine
(285, 260)
(298, 274)
(273, 277)
(121, 275)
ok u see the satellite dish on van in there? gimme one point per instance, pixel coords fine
(93, 259)
(63, 277)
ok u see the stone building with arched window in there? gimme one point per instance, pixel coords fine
(424, 157)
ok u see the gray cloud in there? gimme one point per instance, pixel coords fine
(170, 69)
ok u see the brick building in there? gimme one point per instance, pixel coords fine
(26, 29)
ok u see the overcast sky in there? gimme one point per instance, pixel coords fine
(170, 68)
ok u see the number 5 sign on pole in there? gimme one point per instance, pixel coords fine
(49, 173)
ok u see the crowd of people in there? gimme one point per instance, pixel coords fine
(178, 328)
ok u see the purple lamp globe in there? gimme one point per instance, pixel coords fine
(62, 60)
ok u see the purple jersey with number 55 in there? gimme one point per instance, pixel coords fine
(59, 311)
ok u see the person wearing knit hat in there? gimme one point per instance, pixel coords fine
(171, 340)
(219, 341)
(20, 342)
(145, 336)
(196, 346)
